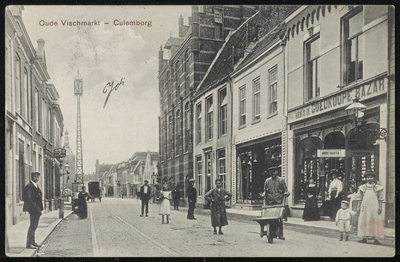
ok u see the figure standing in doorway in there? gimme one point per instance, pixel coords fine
(334, 194)
(311, 207)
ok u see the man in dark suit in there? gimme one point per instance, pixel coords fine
(32, 196)
(145, 192)
(176, 196)
(192, 197)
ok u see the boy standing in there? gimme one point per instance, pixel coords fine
(343, 218)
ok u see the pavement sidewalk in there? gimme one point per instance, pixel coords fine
(17, 233)
(321, 225)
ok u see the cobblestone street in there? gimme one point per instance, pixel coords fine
(119, 231)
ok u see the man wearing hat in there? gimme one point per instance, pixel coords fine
(32, 197)
(145, 192)
(275, 191)
(192, 197)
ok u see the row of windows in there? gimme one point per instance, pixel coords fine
(172, 137)
(353, 55)
(222, 116)
(177, 70)
(256, 86)
(30, 109)
(209, 178)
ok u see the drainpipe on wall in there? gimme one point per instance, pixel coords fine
(231, 142)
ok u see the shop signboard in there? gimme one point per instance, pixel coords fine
(60, 152)
(360, 153)
(218, 15)
(331, 152)
(345, 97)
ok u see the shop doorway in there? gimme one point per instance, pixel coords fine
(362, 154)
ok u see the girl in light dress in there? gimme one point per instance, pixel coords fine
(165, 195)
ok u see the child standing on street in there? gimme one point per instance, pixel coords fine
(343, 219)
(352, 198)
(165, 197)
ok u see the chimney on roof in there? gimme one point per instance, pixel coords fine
(181, 27)
(40, 48)
(160, 59)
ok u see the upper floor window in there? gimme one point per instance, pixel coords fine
(178, 132)
(177, 71)
(48, 125)
(198, 124)
(222, 123)
(209, 118)
(25, 95)
(354, 47)
(187, 74)
(242, 106)
(273, 89)
(313, 68)
(186, 127)
(18, 84)
(256, 99)
(8, 76)
(37, 111)
(170, 136)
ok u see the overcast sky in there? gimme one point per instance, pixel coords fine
(129, 121)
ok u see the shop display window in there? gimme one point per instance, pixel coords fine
(308, 166)
(253, 163)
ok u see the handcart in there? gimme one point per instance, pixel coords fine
(271, 217)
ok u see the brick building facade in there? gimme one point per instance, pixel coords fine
(179, 74)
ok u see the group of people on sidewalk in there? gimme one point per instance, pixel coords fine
(365, 206)
(362, 210)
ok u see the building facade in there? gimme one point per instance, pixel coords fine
(217, 108)
(34, 121)
(190, 55)
(335, 54)
(259, 123)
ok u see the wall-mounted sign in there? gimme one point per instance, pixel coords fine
(60, 152)
(360, 153)
(218, 16)
(331, 152)
(367, 90)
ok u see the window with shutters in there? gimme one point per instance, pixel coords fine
(273, 86)
(256, 99)
(242, 106)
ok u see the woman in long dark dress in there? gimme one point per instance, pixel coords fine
(311, 207)
(83, 196)
(218, 196)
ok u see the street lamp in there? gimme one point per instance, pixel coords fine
(356, 111)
